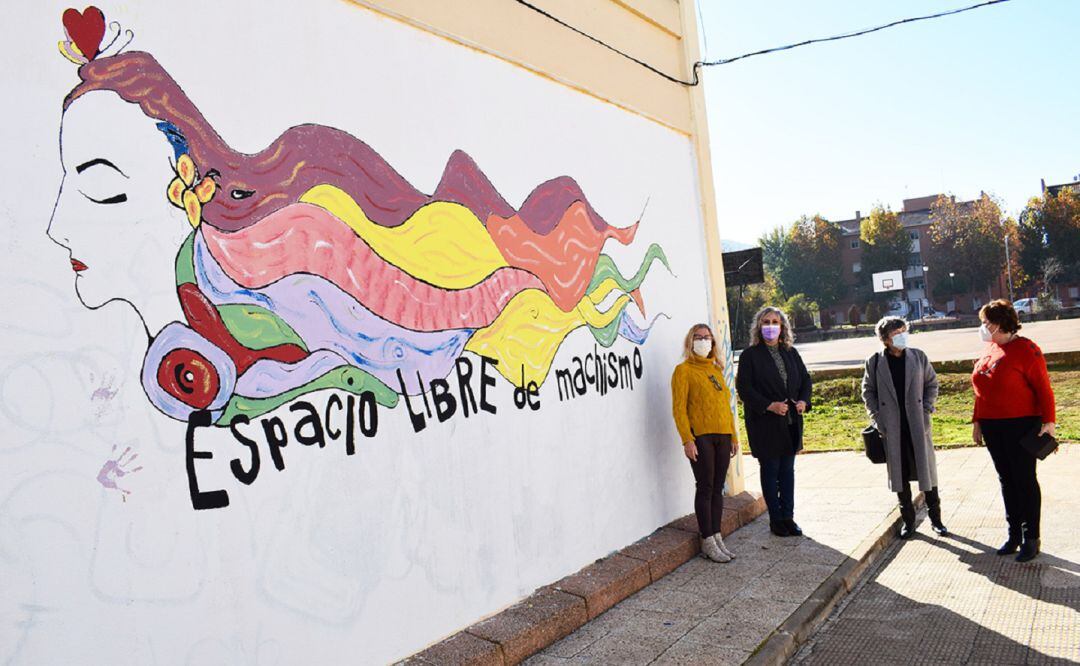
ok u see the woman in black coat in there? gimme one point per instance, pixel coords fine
(774, 387)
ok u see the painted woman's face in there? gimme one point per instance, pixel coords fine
(112, 214)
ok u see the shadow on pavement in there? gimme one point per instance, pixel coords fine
(877, 624)
(1047, 578)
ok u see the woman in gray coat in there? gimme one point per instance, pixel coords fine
(899, 376)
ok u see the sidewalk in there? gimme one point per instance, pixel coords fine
(708, 613)
(952, 600)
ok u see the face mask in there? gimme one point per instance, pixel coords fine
(900, 340)
(770, 331)
(702, 347)
(985, 334)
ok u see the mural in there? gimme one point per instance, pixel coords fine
(312, 264)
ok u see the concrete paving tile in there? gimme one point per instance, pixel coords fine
(678, 601)
(624, 648)
(779, 584)
(691, 653)
(730, 632)
(758, 612)
(589, 633)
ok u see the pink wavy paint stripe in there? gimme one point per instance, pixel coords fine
(565, 257)
(303, 238)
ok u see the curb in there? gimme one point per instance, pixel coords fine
(786, 640)
(557, 610)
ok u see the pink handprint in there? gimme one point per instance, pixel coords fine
(116, 468)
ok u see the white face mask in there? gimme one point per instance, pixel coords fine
(900, 340)
(702, 347)
(985, 334)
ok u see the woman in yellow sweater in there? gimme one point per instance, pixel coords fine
(701, 404)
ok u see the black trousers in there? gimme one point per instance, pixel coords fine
(710, 469)
(1016, 471)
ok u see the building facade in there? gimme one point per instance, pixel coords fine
(927, 267)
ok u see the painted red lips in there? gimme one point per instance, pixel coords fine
(78, 266)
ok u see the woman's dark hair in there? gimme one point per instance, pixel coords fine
(887, 325)
(1001, 314)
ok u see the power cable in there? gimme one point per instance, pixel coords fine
(726, 61)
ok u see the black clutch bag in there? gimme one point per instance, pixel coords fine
(1040, 447)
(874, 445)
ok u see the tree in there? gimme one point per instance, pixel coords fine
(744, 302)
(811, 263)
(886, 247)
(1032, 238)
(1050, 229)
(774, 250)
(974, 234)
(854, 315)
(874, 312)
(800, 310)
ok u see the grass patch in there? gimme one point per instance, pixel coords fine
(838, 416)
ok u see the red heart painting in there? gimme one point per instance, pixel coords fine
(85, 29)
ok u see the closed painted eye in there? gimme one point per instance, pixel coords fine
(119, 198)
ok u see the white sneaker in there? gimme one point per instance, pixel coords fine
(720, 545)
(711, 551)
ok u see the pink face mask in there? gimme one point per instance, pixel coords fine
(770, 331)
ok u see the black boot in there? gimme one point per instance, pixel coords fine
(779, 528)
(792, 527)
(1030, 548)
(933, 511)
(1013, 544)
(907, 513)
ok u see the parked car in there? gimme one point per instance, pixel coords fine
(1029, 306)
(1026, 306)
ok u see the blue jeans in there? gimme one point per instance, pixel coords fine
(778, 486)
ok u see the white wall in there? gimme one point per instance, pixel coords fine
(334, 560)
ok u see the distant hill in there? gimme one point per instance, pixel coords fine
(732, 246)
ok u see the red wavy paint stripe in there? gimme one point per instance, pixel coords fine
(564, 258)
(303, 238)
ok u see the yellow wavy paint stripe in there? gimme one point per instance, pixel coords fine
(443, 243)
(527, 334)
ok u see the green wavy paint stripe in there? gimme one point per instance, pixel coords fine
(185, 261)
(255, 327)
(606, 335)
(350, 379)
(606, 268)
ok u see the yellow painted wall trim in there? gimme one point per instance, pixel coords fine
(642, 88)
(718, 311)
(670, 28)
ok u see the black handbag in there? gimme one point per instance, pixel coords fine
(1040, 447)
(873, 443)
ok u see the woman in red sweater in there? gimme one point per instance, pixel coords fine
(1013, 398)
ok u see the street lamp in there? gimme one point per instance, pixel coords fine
(925, 289)
(1008, 267)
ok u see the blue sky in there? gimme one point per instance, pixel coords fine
(984, 100)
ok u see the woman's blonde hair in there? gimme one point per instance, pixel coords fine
(688, 345)
(787, 336)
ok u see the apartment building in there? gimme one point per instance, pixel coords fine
(926, 267)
